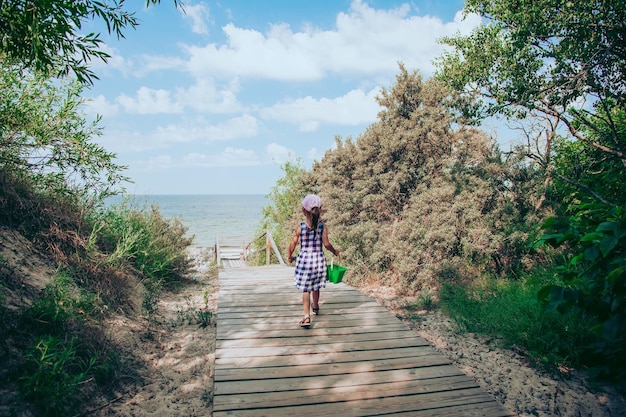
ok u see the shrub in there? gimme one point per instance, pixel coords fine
(155, 245)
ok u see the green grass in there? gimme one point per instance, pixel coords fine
(64, 354)
(511, 312)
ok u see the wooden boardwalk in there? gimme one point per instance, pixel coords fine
(357, 359)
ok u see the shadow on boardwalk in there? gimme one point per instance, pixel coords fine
(357, 359)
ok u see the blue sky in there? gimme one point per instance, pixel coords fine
(213, 100)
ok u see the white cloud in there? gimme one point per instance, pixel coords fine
(149, 101)
(206, 97)
(100, 105)
(137, 66)
(354, 108)
(250, 54)
(198, 15)
(365, 41)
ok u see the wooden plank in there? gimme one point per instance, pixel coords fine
(340, 380)
(300, 339)
(370, 407)
(341, 393)
(350, 366)
(233, 327)
(489, 408)
(319, 331)
(311, 349)
(357, 359)
(319, 358)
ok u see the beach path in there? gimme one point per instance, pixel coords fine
(356, 359)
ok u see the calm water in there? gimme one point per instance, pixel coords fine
(232, 219)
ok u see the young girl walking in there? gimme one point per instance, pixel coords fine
(310, 274)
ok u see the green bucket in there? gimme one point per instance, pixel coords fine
(335, 273)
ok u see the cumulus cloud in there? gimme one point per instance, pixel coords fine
(204, 97)
(134, 66)
(228, 157)
(149, 101)
(365, 41)
(353, 108)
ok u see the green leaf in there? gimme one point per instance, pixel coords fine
(590, 237)
(608, 227)
(577, 259)
(607, 244)
(591, 253)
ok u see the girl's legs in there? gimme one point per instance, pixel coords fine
(316, 301)
(306, 304)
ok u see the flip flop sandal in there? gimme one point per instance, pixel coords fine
(305, 322)
(316, 310)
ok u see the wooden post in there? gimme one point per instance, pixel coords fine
(218, 256)
(276, 251)
(267, 248)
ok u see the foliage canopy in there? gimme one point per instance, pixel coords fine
(45, 35)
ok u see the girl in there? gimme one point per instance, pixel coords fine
(310, 274)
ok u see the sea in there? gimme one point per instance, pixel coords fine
(231, 219)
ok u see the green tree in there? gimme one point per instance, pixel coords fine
(592, 226)
(566, 61)
(45, 136)
(418, 190)
(45, 35)
(543, 56)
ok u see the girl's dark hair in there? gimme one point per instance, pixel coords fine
(313, 216)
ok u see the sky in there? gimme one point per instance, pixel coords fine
(215, 98)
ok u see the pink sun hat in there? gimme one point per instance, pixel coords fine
(311, 201)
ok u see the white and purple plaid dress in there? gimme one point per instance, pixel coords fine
(310, 272)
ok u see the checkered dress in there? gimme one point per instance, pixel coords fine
(310, 272)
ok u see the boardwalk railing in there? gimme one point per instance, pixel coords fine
(228, 256)
(269, 245)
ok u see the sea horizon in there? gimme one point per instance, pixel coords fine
(233, 219)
